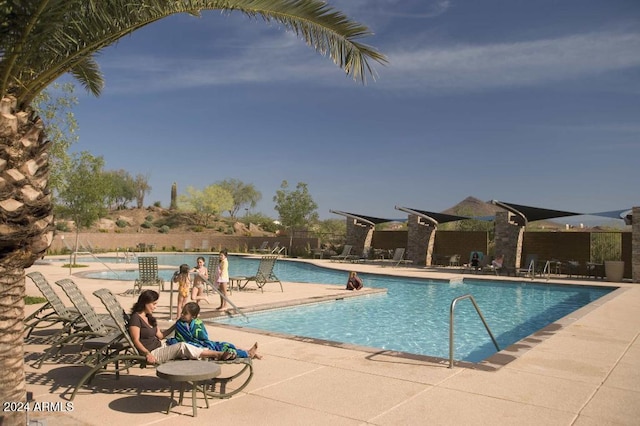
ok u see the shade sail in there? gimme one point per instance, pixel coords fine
(366, 219)
(438, 217)
(534, 213)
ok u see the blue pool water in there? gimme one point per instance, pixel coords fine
(413, 316)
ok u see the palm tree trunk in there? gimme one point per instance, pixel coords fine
(26, 231)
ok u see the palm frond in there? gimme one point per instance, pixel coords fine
(48, 38)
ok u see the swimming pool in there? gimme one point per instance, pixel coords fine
(413, 316)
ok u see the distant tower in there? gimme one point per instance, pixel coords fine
(174, 195)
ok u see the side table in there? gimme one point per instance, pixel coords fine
(237, 280)
(189, 372)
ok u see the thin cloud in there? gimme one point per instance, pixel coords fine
(460, 68)
(511, 64)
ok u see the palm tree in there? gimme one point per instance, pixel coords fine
(40, 40)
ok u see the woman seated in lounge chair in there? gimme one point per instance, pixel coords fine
(497, 262)
(190, 329)
(147, 337)
(354, 282)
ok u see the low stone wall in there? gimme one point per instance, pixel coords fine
(188, 241)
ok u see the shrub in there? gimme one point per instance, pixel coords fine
(146, 224)
(62, 226)
(157, 204)
(34, 300)
(164, 230)
(149, 218)
(121, 223)
(104, 231)
(197, 229)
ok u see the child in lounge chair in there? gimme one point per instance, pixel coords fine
(190, 329)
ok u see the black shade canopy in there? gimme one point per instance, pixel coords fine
(365, 219)
(438, 217)
(534, 213)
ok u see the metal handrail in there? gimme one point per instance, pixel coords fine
(547, 270)
(451, 312)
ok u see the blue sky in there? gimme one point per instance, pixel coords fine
(529, 102)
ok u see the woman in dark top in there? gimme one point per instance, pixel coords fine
(354, 282)
(147, 337)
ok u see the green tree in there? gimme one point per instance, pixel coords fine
(141, 187)
(243, 195)
(40, 41)
(54, 107)
(206, 204)
(82, 197)
(296, 209)
(120, 188)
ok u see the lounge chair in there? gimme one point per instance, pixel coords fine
(469, 267)
(397, 259)
(264, 274)
(364, 257)
(147, 274)
(124, 355)
(52, 312)
(96, 325)
(342, 257)
(264, 248)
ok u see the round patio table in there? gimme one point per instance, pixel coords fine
(189, 372)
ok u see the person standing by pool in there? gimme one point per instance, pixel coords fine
(223, 278)
(190, 329)
(197, 293)
(354, 282)
(181, 277)
(147, 337)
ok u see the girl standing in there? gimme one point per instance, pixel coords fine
(181, 277)
(223, 278)
(197, 293)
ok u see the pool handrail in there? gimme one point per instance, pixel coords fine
(451, 313)
(238, 310)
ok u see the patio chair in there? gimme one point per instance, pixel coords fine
(126, 355)
(264, 248)
(397, 259)
(264, 274)
(96, 325)
(52, 312)
(342, 257)
(364, 256)
(477, 258)
(147, 274)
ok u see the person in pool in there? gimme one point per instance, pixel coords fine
(354, 282)
(147, 337)
(190, 329)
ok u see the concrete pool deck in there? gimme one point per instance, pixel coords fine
(581, 370)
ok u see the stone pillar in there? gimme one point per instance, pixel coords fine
(635, 245)
(420, 240)
(359, 235)
(508, 235)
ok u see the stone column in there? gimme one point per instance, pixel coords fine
(359, 235)
(420, 240)
(508, 235)
(635, 245)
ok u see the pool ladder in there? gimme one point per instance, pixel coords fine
(451, 313)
